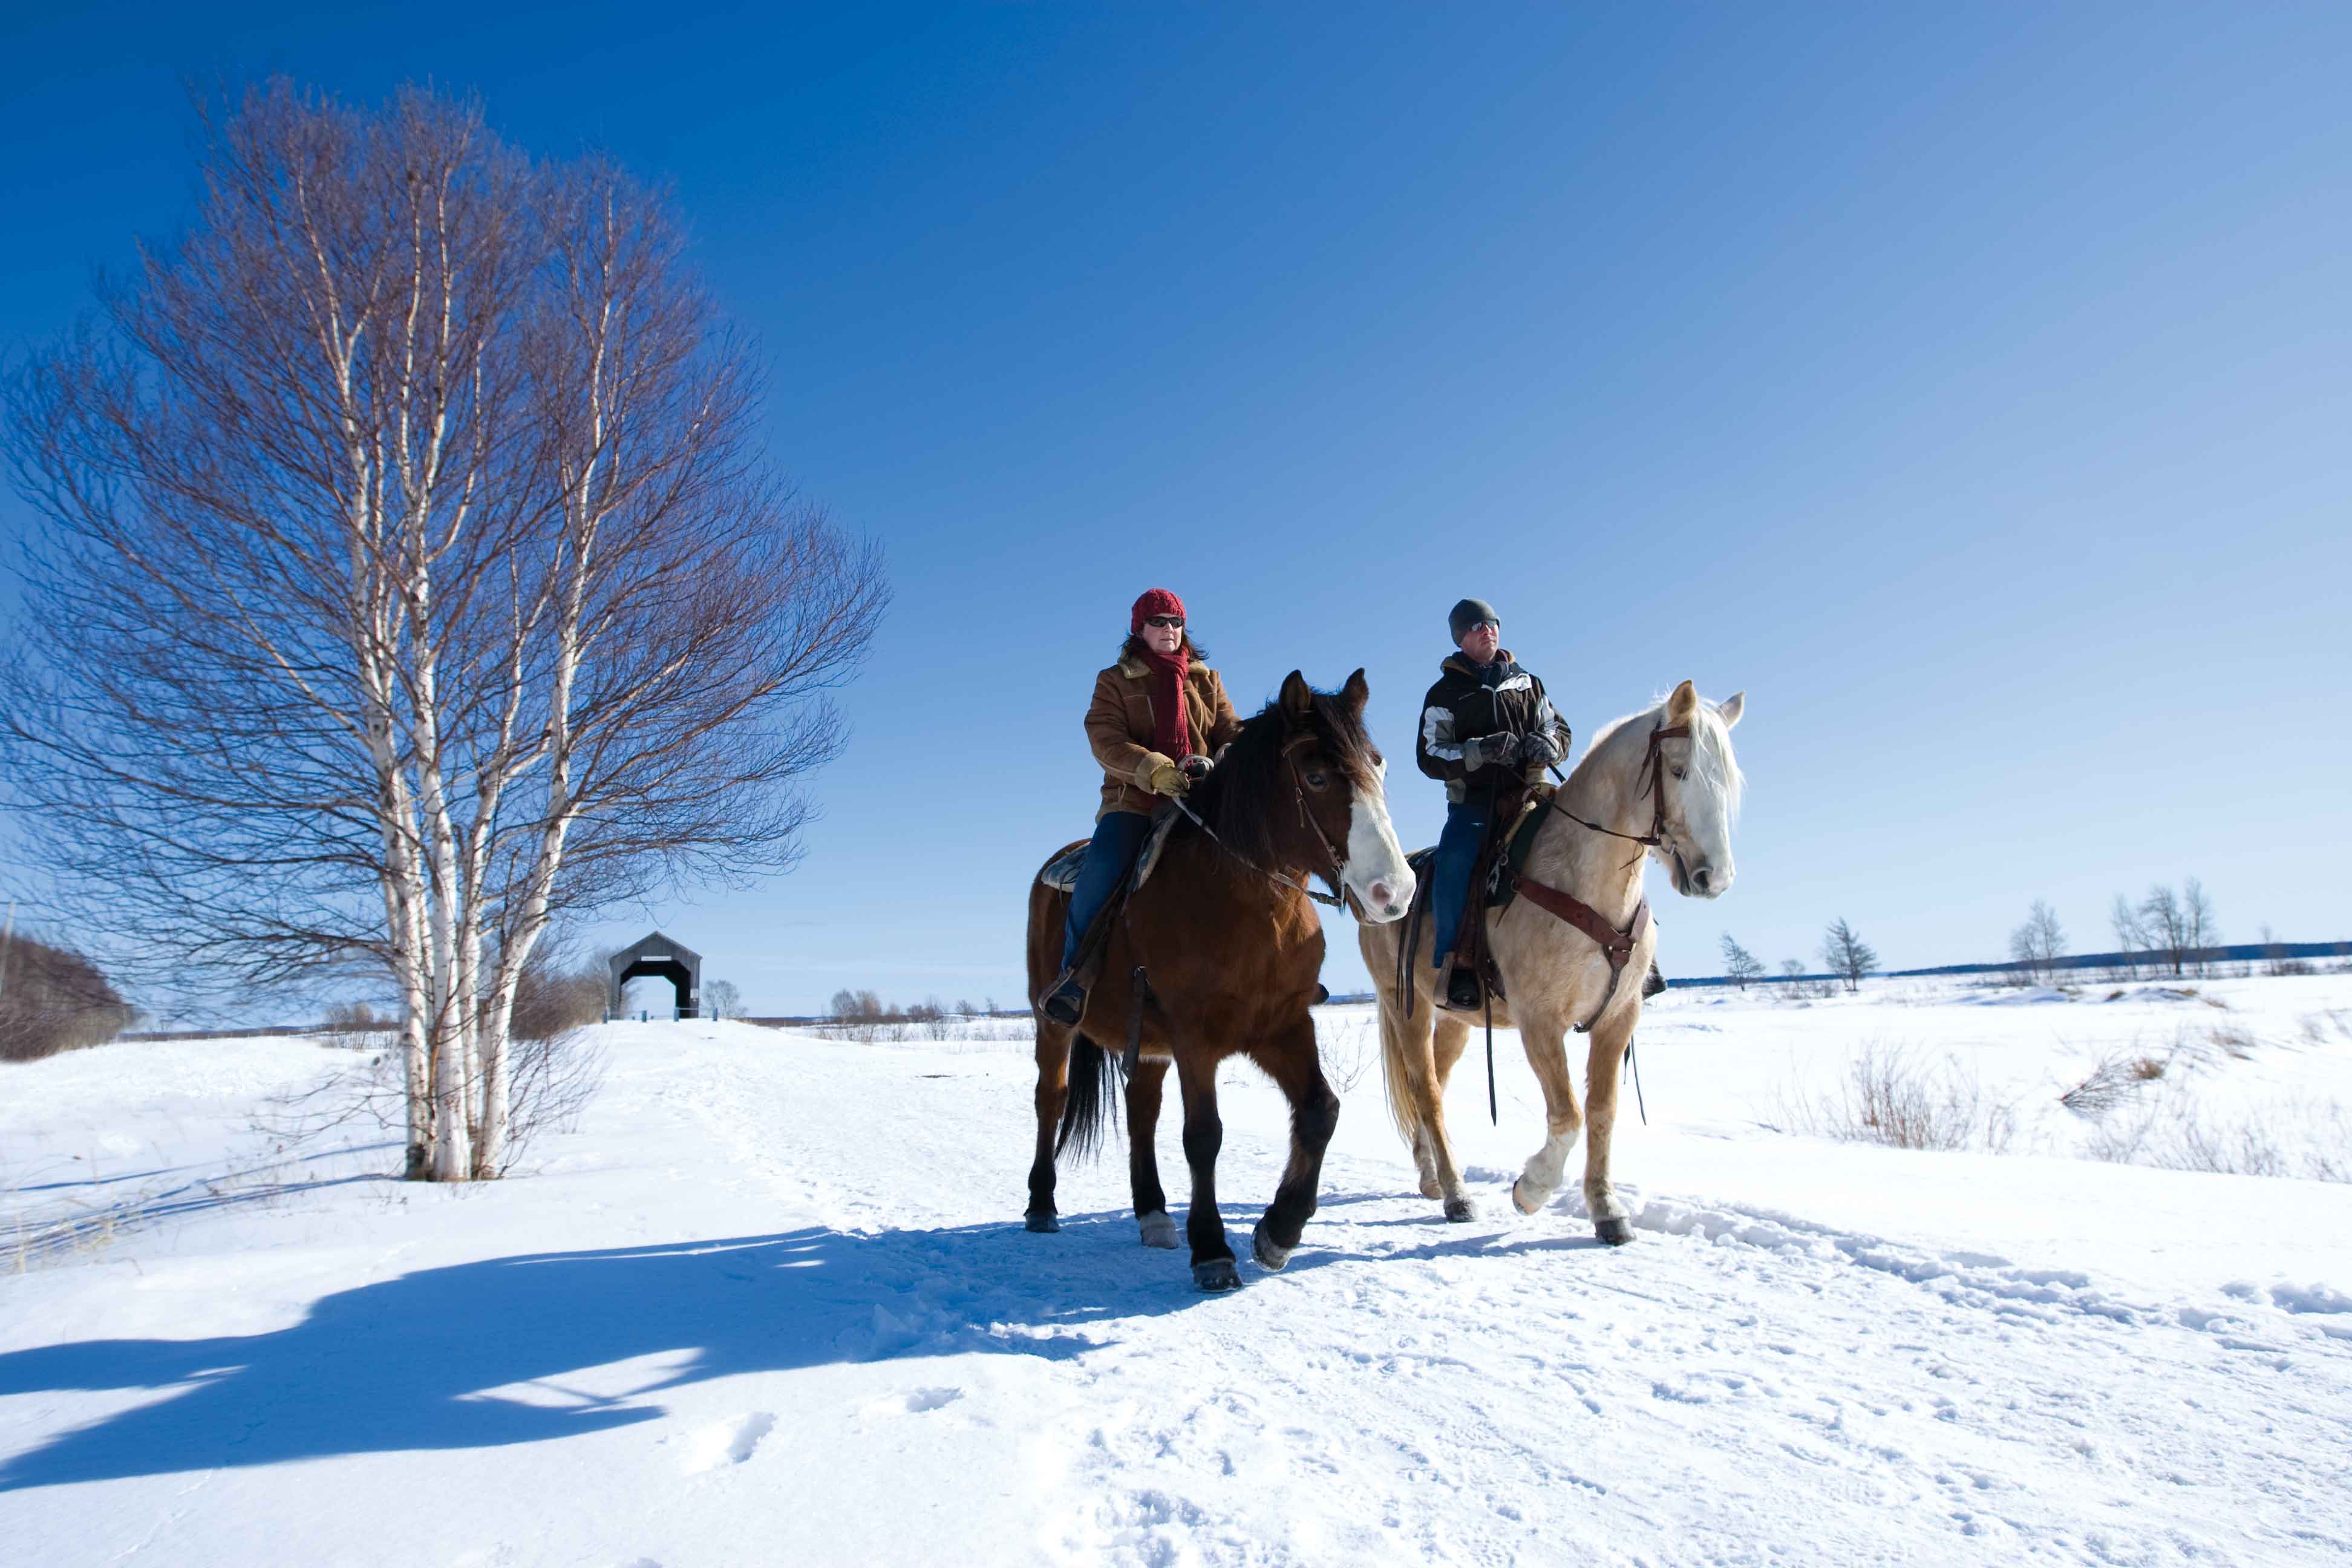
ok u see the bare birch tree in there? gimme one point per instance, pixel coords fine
(2131, 932)
(413, 578)
(2036, 946)
(2198, 928)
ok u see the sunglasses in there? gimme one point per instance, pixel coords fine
(1176, 621)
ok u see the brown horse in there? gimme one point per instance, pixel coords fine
(1231, 948)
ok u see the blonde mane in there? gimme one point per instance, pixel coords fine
(1711, 748)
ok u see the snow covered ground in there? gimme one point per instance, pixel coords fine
(772, 1302)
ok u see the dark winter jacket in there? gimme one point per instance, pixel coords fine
(1468, 702)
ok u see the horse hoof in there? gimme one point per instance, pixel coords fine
(1519, 1200)
(1459, 1210)
(1217, 1274)
(1270, 1252)
(1042, 1223)
(1430, 1189)
(1613, 1231)
(1158, 1229)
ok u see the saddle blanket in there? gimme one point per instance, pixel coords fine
(1061, 873)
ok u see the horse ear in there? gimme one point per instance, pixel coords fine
(1731, 708)
(1354, 693)
(1297, 698)
(1683, 705)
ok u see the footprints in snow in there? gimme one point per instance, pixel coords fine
(928, 1399)
(722, 1443)
(729, 1442)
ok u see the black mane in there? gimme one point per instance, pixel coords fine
(1241, 799)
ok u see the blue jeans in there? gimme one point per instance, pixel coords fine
(1119, 838)
(1457, 856)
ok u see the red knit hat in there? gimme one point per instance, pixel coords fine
(1155, 602)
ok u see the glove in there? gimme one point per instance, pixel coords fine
(1538, 750)
(1486, 750)
(1161, 776)
(1196, 766)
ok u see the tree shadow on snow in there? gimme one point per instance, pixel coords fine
(491, 1353)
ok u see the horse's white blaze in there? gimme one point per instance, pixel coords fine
(1375, 858)
(1702, 804)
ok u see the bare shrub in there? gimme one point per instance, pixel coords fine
(354, 1018)
(2111, 1081)
(1348, 1052)
(53, 999)
(551, 999)
(555, 1079)
(2318, 1027)
(2233, 1040)
(1894, 1096)
(358, 1026)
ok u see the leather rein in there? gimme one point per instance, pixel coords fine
(1337, 898)
(1616, 946)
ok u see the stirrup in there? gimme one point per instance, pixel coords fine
(1463, 991)
(1068, 1004)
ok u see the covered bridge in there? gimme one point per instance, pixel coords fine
(659, 957)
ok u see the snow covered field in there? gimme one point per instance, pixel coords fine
(772, 1302)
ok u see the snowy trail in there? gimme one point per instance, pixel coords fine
(773, 1304)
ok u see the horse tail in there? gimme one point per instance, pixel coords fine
(1399, 1058)
(1093, 1099)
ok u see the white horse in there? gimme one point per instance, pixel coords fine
(1661, 782)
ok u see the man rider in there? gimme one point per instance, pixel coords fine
(1487, 731)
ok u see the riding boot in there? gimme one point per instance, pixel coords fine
(1068, 1004)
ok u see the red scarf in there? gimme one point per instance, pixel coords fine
(1171, 729)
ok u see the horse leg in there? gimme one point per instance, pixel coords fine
(1052, 1093)
(1297, 1070)
(1546, 1042)
(1448, 1040)
(1205, 1227)
(1603, 1070)
(1143, 1153)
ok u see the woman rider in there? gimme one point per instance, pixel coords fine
(1157, 719)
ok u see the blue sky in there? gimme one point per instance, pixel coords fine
(1972, 386)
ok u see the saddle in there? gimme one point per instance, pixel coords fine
(1061, 873)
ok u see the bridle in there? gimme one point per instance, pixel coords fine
(1335, 875)
(1653, 769)
(1616, 943)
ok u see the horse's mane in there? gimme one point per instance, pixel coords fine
(1711, 751)
(1253, 784)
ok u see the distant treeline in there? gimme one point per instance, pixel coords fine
(2234, 952)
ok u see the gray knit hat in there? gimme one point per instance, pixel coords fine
(1468, 614)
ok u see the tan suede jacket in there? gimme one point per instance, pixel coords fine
(1120, 728)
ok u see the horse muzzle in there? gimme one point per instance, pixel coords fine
(1385, 901)
(1703, 880)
